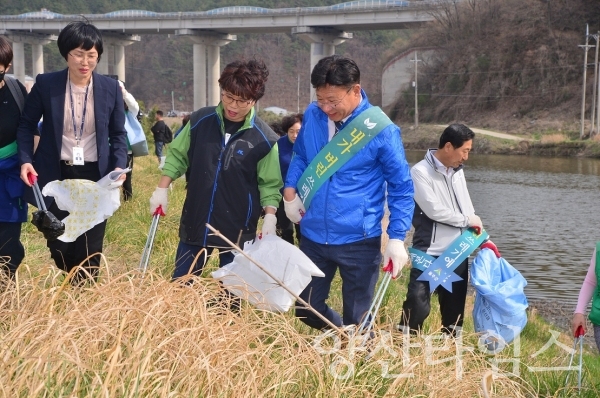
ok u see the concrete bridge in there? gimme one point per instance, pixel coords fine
(322, 27)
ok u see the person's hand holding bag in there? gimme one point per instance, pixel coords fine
(269, 226)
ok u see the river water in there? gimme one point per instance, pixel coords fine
(542, 213)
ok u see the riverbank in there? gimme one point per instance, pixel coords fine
(555, 144)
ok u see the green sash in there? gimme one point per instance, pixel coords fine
(342, 147)
(440, 271)
(8, 150)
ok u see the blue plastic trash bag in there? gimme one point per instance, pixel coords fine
(499, 314)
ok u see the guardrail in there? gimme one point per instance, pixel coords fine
(351, 6)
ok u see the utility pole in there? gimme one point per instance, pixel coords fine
(172, 101)
(585, 47)
(298, 96)
(597, 71)
(416, 61)
(594, 87)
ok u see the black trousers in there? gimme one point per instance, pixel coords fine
(417, 306)
(11, 249)
(127, 188)
(68, 255)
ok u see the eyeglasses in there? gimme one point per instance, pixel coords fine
(79, 58)
(240, 103)
(333, 104)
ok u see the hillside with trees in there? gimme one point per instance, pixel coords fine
(504, 64)
(498, 63)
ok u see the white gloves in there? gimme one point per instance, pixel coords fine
(475, 222)
(269, 226)
(396, 252)
(159, 198)
(294, 210)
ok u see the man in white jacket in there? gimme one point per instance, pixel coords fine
(443, 210)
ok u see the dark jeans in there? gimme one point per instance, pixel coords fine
(184, 259)
(127, 188)
(68, 255)
(417, 305)
(158, 148)
(11, 249)
(358, 263)
(285, 228)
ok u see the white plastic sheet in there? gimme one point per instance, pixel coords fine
(283, 260)
(88, 203)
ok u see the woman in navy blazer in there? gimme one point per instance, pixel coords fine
(83, 118)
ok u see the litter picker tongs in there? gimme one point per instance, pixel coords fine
(367, 324)
(39, 198)
(150, 240)
(578, 340)
(45, 221)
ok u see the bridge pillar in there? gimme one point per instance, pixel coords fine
(199, 64)
(37, 42)
(206, 64)
(19, 60)
(117, 41)
(322, 43)
(37, 57)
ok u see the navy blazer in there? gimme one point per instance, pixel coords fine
(47, 99)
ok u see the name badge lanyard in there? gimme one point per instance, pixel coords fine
(78, 138)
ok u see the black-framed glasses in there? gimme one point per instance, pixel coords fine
(332, 104)
(241, 103)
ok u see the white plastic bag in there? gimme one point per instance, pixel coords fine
(87, 202)
(283, 260)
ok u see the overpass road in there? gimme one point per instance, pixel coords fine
(322, 27)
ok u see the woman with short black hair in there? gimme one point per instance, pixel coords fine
(83, 136)
(290, 125)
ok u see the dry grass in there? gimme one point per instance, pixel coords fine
(132, 336)
(553, 138)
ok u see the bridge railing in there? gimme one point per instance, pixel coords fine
(351, 6)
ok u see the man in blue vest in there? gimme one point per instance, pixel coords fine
(340, 211)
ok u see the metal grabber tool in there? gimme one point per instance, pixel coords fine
(150, 240)
(367, 324)
(578, 340)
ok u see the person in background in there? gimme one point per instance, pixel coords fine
(232, 158)
(291, 126)
(13, 209)
(341, 228)
(589, 293)
(276, 127)
(83, 118)
(162, 134)
(133, 107)
(184, 121)
(443, 210)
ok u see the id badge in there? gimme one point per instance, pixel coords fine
(78, 156)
